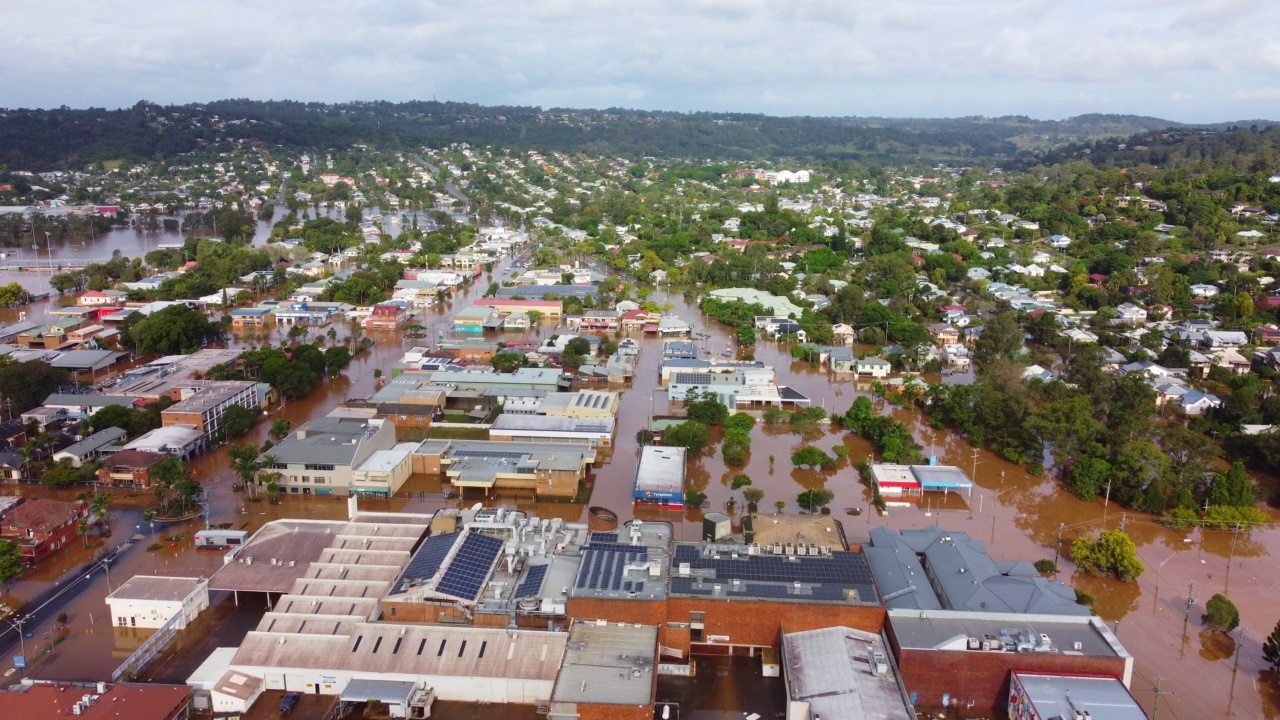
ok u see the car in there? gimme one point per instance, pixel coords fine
(288, 701)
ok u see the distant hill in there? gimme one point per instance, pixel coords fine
(65, 137)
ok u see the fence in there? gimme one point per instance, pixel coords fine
(150, 647)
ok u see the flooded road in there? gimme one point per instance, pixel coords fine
(1019, 515)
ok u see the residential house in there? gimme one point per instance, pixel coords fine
(90, 448)
(41, 527)
(1130, 314)
(1198, 403)
(874, 367)
(944, 334)
(844, 334)
(838, 359)
(130, 468)
(1224, 339)
(99, 298)
(1204, 291)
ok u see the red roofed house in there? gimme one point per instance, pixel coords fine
(1269, 302)
(40, 528)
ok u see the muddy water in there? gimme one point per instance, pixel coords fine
(1017, 514)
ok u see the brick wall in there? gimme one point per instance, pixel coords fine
(760, 622)
(614, 712)
(984, 675)
(645, 612)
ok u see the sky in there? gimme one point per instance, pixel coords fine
(1185, 60)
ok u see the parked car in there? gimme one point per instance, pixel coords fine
(289, 700)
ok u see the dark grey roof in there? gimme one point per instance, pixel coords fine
(712, 571)
(537, 292)
(898, 573)
(94, 442)
(327, 441)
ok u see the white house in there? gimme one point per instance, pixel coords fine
(1061, 242)
(1198, 403)
(150, 601)
(1204, 291)
(1131, 314)
(872, 366)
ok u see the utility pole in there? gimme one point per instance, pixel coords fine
(1155, 711)
(1191, 599)
(1230, 555)
(1124, 520)
(1057, 552)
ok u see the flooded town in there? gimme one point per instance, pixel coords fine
(470, 431)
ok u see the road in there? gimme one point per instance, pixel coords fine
(53, 601)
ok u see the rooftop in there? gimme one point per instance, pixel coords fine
(295, 543)
(608, 664)
(820, 530)
(593, 426)
(135, 701)
(661, 469)
(152, 587)
(630, 563)
(1007, 632)
(1060, 697)
(843, 673)
(326, 440)
(773, 573)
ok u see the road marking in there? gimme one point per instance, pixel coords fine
(8, 672)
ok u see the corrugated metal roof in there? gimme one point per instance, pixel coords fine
(610, 664)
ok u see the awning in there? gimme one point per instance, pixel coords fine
(388, 692)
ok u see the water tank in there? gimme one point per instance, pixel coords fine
(715, 526)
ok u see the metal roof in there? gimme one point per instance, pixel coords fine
(949, 630)
(159, 589)
(608, 664)
(734, 573)
(661, 469)
(388, 692)
(1058, 697)
(843, 673)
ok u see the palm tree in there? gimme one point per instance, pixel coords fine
(82, 527)
(98, 504)
(279, 429)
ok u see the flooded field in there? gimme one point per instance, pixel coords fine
(1019, 515)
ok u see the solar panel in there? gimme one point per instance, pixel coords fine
(426, 561)
(470, 567)
(532, 584)
(603, 537)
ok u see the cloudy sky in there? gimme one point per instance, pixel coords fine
(1189, 60)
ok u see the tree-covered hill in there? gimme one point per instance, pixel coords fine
(66, 137)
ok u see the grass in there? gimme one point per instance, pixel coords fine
(112, 164)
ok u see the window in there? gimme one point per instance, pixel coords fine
(377, 644)
(306, 479)
(440, 652)
(463, 648)
(422, 645)
(319, 481)
(696, 629)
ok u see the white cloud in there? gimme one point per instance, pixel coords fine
(1180, 58)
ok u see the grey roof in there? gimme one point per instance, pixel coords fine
(327, 440)
(152, 587)
(594, 426)
(661, 469)
(537, 292)
(388, 692)
(94, 442)
(950, 630)
(292, 543)
(843, 673)
(899, 575)
(610, 664)
(88, 359)
(965, 576)
(1058, 697)
(88, 400)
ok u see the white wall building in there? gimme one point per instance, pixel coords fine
(149, 601)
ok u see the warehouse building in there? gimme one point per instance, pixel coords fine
(840, 672)
(660, 477)
(148, 601)
(609, 673)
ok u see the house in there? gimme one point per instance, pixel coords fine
(1198, 403)
(99, 298)
(1035, 372)
(873, 367)
(322, 456)
(837, 359)
(89, 448)
(255, 317)
(978, 273)
(391, 314)
(1224, 339)
(41, 527)
(844, 334)
(944, 334)
(957, 356)
(1130, 314)
(1060, 242)
(1204, 291)
(671, 325)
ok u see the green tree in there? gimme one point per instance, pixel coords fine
(1000, 338)
(27, 384)
(815, 499)
(1271, 648)
(705, 408)
(508, 361)
(237, 421)
(10, 562)
(690, 435)
(279, 429)
(811, 456)
(61, 473)
(177, 329)
(1232, 488)
(1221, 614)
(739, 421)
(1111, 553)
(244, 462)
(753, 496)
(577, 346)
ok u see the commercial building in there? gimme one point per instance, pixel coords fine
(931, 568)
(595, 432)
(545, 379)
(47, 701)
(148, 601)
(182, 441)
(548, 308)
(321, 456)
(660, 477)
(609, 673)
(130, 468)
(202, 403)
(841, 672)
(951, 657)
(539, 468)
(581, 404)
(915, 480)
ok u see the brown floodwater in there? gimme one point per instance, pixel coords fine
(1019, 515)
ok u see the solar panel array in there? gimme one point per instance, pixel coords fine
(822, 577)
(603, 537)
(489, 454)
(426, 561)
(470, 567)
(532, 584)
(604, 564)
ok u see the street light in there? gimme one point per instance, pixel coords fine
(1156, 599)
(16, 623)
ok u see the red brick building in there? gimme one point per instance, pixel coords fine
(965, 658)
(41, 527)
